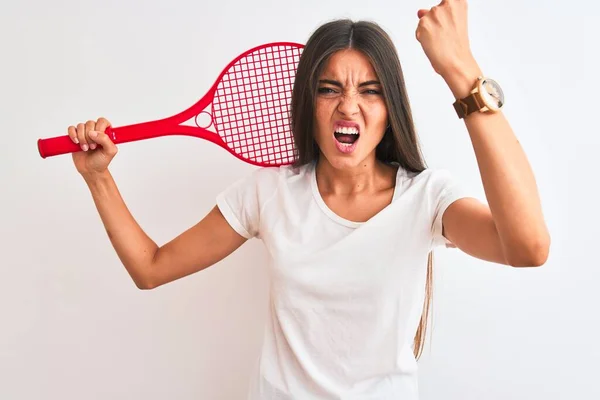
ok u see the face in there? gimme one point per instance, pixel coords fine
(350, 114)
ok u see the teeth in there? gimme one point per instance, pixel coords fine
(347, 130)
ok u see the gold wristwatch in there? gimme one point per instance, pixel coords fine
(486, 96)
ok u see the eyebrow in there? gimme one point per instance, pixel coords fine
(338, 84)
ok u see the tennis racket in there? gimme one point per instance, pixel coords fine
(248, 106)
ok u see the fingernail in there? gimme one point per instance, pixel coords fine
(92, 146)
(75, 140)
(84, 147)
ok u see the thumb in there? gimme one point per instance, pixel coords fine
(421, 13)
(103, 140)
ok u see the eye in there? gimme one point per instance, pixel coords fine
(372, 91)
(326, 90)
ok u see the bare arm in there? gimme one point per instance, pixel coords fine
(206, 243)
(515, 210)
(511, 229)
(149, 265)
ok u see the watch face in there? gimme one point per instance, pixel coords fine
(492, 94)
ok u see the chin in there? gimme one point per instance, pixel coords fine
(344, 161)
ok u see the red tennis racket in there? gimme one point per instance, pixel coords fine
(249, 111)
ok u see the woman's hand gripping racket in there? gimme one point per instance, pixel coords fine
(249, 105)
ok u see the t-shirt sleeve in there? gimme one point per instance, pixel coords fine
(240, 203)
(445, 190)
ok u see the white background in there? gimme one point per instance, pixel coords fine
(74, 326)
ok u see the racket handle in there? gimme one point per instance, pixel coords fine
(62, 145)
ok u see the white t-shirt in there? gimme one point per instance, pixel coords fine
(345, 297)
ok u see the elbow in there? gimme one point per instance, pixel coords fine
(147, 283)
(533, 255)
(146, 277)
(144, 281)
(143, 285)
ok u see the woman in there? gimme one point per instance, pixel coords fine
(351, 226)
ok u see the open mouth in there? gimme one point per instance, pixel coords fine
(346, 135)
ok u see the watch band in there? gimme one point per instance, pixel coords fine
(467, 105)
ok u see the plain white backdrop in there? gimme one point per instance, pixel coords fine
(74, 326)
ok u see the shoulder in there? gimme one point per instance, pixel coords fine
(430, 179)
(429, 174)
(433, 187)
(264, 182)
(267, 176)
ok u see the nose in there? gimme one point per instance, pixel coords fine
(348, 105)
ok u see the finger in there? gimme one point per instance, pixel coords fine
(72, 132)
(421, 13)
(101, 124)
(82, 138)
(90, 126)
(104, 141)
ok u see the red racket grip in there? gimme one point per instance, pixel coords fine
(63, 144)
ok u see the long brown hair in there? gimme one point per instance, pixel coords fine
(399, 143)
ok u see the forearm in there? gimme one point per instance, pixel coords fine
(133, 246)
(507, 177)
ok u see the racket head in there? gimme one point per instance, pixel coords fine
(251, 104)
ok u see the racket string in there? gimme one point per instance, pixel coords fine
(251, 105)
